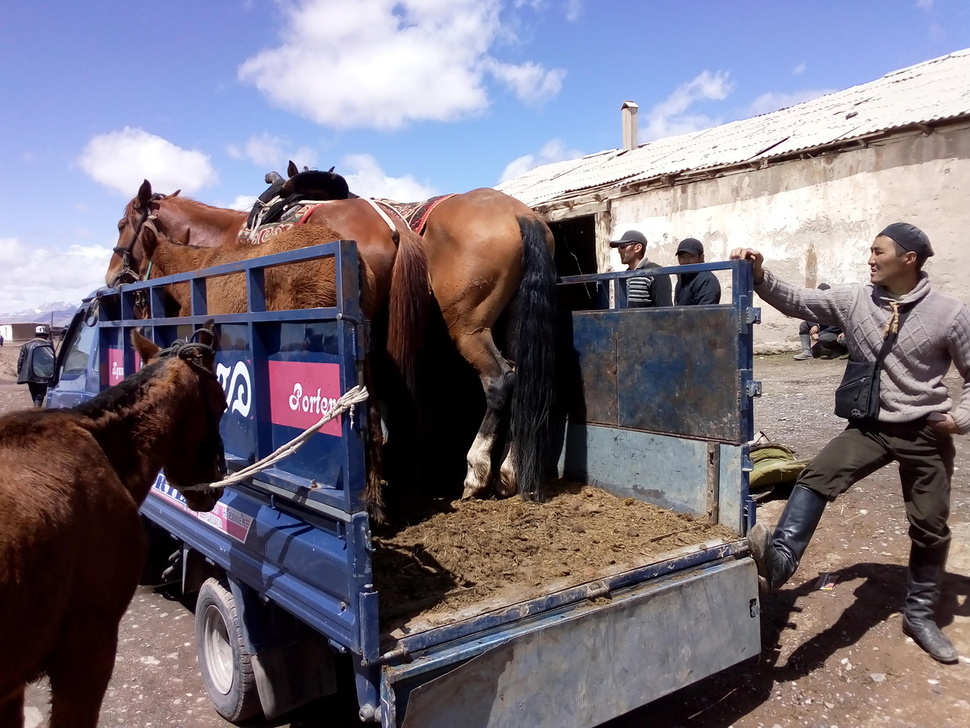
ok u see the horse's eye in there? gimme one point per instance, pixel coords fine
(121, 225)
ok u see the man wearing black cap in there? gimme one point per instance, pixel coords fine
(695, 289)
(922, 333)
(641, 291)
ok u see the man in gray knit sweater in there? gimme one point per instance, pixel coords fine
(914, 426)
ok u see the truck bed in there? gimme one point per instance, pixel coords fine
(465, 558)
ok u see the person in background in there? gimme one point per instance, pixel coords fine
(695, 289)
(641, 291)
(914, 426)
(820, 341)
(35, 365)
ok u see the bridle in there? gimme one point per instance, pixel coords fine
(127, 274)
(186, 349)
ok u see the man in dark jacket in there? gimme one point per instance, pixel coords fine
(35, 365)
(695, 289)
(642, 291)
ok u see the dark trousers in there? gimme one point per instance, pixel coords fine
(925, 460)
(37, 393)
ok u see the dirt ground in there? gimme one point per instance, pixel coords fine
(831, 657)
(513, 550)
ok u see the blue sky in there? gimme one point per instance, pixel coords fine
(408, 99)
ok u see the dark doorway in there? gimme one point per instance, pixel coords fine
(576, 255)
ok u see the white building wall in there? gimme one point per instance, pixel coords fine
(815, 219)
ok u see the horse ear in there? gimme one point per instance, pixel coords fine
(174, 194)
(291, 169)
(146, 348)
(144, 193)
(331, 169)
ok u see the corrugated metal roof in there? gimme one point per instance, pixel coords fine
(929, 92)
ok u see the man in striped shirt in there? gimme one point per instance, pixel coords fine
(642, 291)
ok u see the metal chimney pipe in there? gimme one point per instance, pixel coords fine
(628, 115)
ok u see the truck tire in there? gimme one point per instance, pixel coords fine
(225, 662)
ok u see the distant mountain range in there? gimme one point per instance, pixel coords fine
(61, 311)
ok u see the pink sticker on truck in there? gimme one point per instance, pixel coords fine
(116, 366)
(300, 393)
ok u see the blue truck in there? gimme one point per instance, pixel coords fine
(655, 405)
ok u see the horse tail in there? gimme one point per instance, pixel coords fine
(533, 351)
(408, 307)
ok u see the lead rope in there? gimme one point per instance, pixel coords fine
(892, 325)
(350, 398)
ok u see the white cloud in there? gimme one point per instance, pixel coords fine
(272, 152)
(35, 275)
(366, 178)
(771, 101)
(552, 151)
(574, 10)
(799, 69)
(120, 160)
(264, 149)
(243, 202)
(531, 83)
(924, 4)
(670, 116)
(390, 62)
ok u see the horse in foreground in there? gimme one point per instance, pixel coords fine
(492, 274)
(72, 545)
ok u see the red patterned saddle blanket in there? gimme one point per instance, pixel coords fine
(415, 214)
(291, 217)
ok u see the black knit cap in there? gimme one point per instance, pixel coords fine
(909, 237)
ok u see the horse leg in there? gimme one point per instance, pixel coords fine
(80, 670)
(12, 708)
(498, 380)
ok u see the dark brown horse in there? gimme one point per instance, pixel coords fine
(490, 264)
(71, 540)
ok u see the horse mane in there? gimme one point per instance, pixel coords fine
(119, 398)
(189, 202)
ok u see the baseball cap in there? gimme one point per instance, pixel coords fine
(693, 246)
(629, 238)
(909, 237)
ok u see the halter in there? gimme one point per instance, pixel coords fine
(184, 349)
(127, 274)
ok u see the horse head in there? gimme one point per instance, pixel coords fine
(195, 454)
(129, 263)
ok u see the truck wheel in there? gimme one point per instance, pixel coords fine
(225, 662)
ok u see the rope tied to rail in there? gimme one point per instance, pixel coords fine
(346, 402)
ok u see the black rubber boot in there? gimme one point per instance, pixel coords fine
(926, 568)
(777, 557)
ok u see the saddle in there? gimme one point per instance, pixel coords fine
(283, 195)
